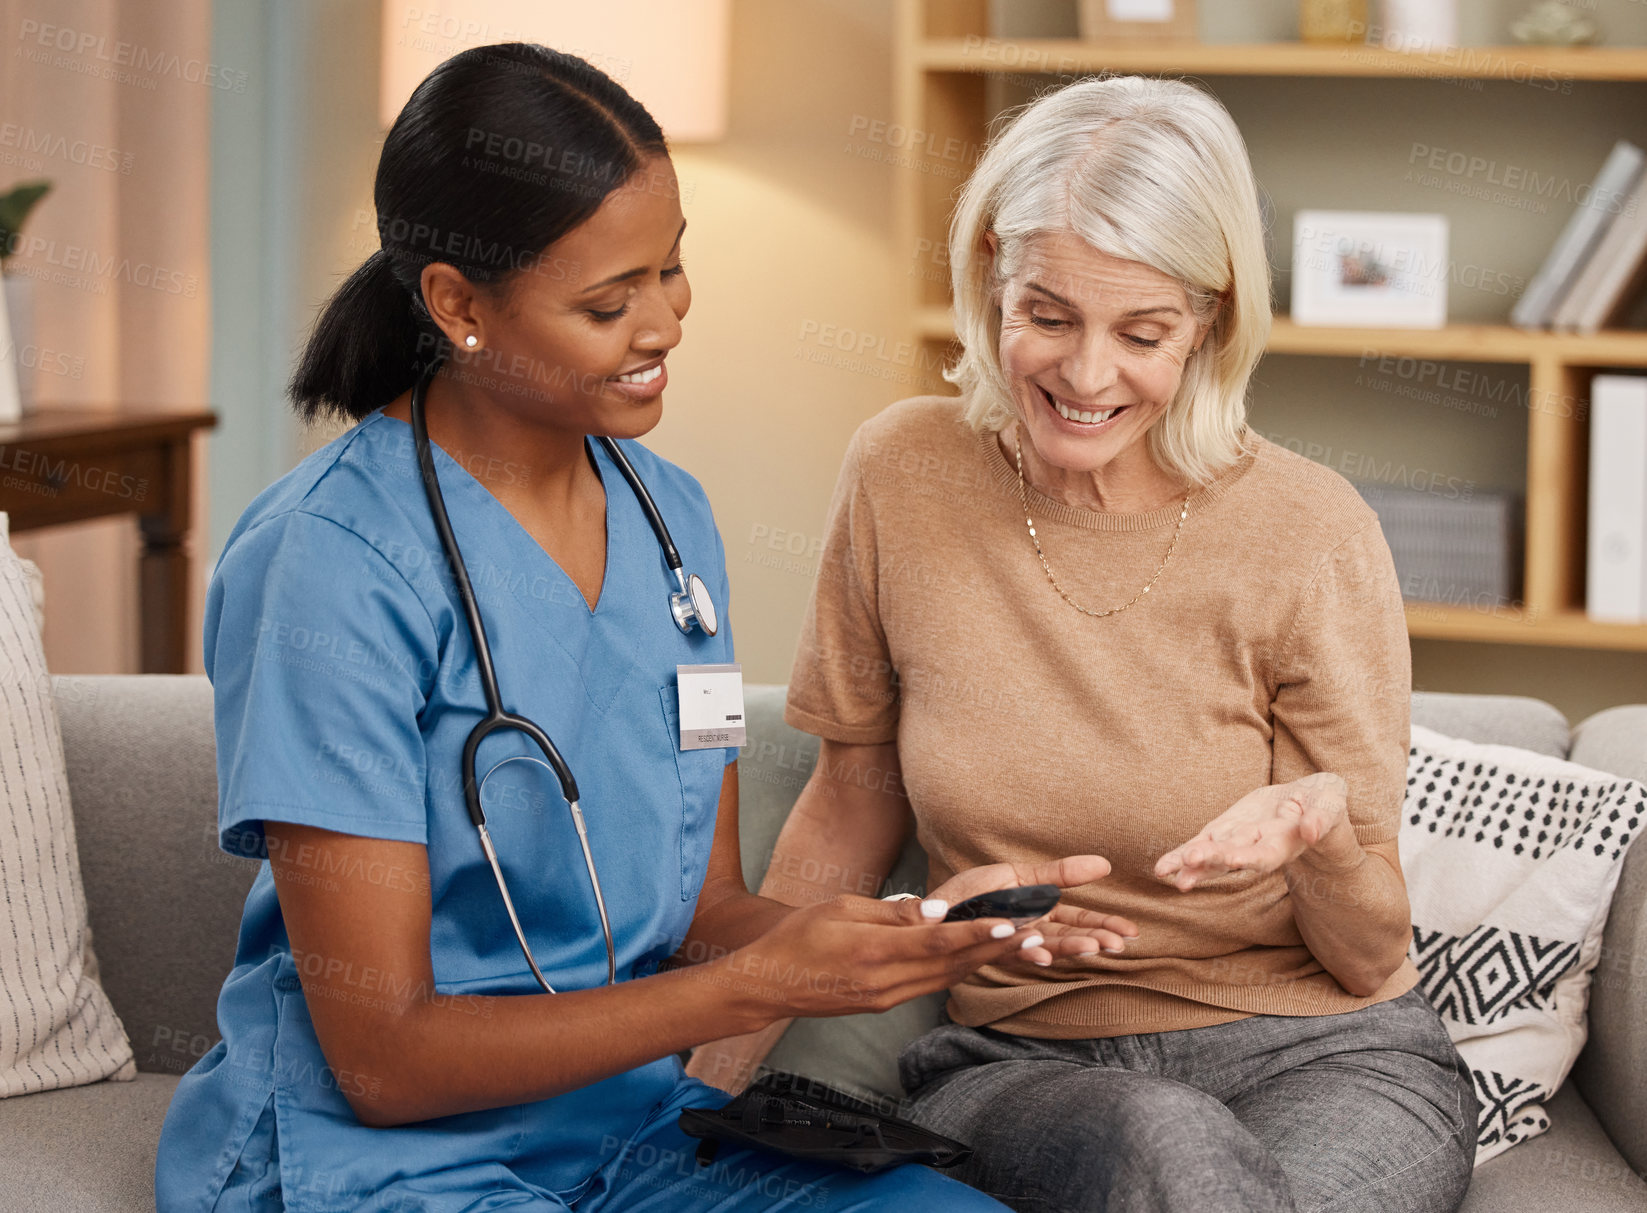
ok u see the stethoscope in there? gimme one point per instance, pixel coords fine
(690, 606)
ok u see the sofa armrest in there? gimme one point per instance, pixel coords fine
(164, 902)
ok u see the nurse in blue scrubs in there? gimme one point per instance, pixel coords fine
(385, 1045)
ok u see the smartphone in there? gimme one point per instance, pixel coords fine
(1021, 905)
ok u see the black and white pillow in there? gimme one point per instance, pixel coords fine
(1511, 859)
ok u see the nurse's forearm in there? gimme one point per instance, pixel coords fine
(401, 1051)
(733, 919)
(843, 836)
(842, 957)
(452, 1054)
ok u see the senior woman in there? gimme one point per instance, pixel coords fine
(1084, 608)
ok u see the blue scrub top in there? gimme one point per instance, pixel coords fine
(345, 686)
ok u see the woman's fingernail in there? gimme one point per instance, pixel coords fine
(1115, 951)
(1042, 963)
(1094, 952)
(1032, 941)
(1001, 930)
(934, 907)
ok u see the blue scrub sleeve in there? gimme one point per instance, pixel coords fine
(320, 653)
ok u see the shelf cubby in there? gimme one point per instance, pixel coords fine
(946, 57)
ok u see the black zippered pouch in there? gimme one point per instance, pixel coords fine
(791, 1115)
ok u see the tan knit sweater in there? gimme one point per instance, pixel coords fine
(1272, 646)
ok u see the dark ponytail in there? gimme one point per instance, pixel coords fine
(500, 152)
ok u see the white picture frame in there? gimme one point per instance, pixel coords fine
(1369, 269)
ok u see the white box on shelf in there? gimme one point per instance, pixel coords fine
(1615, 578)
(1422, 27)
(1369, 268)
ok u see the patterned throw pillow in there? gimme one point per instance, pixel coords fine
(1511, 859)
(57, 1027)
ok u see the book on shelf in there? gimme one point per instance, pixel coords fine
(1612, 187)
(1615, 578)
(1614, 272)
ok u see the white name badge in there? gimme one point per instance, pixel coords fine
(711, 706)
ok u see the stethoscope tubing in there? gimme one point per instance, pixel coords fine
(497, 718)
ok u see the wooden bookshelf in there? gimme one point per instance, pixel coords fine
(944, 59)
(1470, 342)
(1054, 56)
(1515, 625)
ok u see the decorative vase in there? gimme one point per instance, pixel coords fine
(11, 403)
(25, 355)
(1332, 20)
(1551, 23)
(1419, 25)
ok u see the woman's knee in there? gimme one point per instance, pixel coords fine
(1165, 1125)
(1177, 1148)
(1095, 1138)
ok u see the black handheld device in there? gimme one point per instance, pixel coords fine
(1021, 905)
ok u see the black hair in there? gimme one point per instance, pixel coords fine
(499, 152)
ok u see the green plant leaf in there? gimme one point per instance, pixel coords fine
(15, 205)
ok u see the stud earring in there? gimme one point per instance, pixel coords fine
(471, 341)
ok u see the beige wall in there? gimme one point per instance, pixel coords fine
(344, 139)
(790, 253)
(125, 341)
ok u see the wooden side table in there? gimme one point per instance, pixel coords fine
(63, 464)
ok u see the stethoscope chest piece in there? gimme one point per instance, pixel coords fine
(693, 605)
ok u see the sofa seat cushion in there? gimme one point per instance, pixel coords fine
(165, 902)
(89, 1148)
(1572, 1167)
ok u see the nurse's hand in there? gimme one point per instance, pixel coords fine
(850, 954)
(1067, 931)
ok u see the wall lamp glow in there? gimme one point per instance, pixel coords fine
(671, 54)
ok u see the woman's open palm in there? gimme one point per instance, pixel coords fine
(1266, 828)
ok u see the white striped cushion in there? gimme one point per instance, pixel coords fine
(57, 1027)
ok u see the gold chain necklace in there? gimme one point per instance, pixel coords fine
(1023, 496)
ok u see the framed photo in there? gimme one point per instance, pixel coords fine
(1138, 20)
(1369, 268)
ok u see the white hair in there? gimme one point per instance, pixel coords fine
(1145, 170)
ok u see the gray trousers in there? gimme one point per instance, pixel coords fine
(1368, 1110)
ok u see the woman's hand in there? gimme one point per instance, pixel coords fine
(1066, 931)
(1265, 829)
(851, 954)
